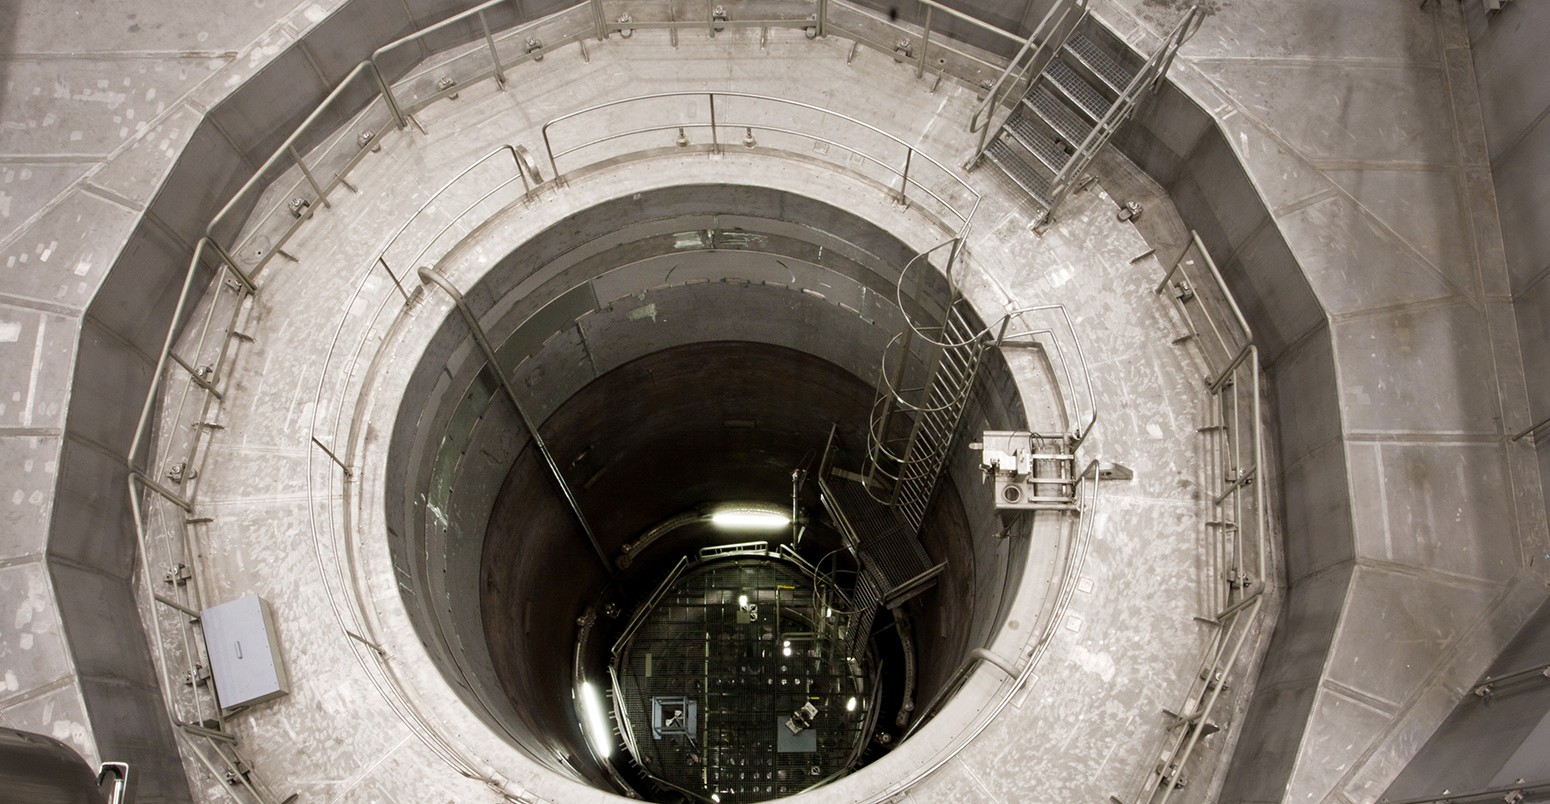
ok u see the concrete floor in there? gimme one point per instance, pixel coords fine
(1359, 127)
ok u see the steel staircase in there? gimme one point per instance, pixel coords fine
(1085, 91)
(894, 564)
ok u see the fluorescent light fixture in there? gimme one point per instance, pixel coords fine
(749, 519)
(597, 723)
(850, 705)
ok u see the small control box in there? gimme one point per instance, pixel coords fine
(244, 652)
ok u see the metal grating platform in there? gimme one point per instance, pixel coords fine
(738, 683)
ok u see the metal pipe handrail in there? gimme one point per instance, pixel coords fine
(826, 22)
(981, 24)
(1533, 428)
(1488, 685)
(287, 148)
(1039, 36)
(1236, 619)
(1504, 793)
(909, 150)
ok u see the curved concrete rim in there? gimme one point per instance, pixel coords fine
(420, 686)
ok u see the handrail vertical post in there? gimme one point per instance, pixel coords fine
(549, 149)
(231, 264)
(597, 19)
(925, 42)
(387, 95)
(500, 72)
(394, 277)
(317, 188)
(715, 141)
(823, 17)
(904, 185)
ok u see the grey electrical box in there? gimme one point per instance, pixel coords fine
(244, 653)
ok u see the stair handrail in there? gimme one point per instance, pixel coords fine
(1148, 78)
(1042, 36)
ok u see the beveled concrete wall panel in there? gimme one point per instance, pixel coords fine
(1313, 607)
(207, 172)
(1163, 133)
(109, 375)
(1509, 66)
(118, 681)
(1420, 369)
(137, 300)
(131, 725)
(100, 619)
(1444, 509)
(271, 104)
(1228, 196)
(1277, 717)
(1522, 198)
(1318, 512)
(350, 34)
(1307, 402)
(1275, 296)
(90, 513)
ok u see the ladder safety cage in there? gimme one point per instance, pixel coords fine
(925, 381)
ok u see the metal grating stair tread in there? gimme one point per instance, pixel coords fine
(1076, 89)
(1101, 63)
(1057, 115)
(1038, 142)
(1032, 181)
(889, 553)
